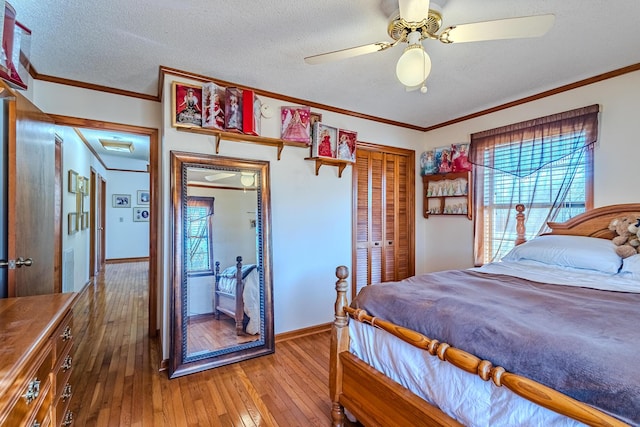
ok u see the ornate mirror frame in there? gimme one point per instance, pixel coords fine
(181, 363)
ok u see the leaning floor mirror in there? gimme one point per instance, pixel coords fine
(222, 290)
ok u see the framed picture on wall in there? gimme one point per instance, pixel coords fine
(121, 201)
(73, 181)
(72, 224)
(84, 221)
(141, 214)
(143, 197)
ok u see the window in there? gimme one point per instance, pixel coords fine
(199, 251)
(545, 164)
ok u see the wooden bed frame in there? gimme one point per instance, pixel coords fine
(231, 305)
(376, 400)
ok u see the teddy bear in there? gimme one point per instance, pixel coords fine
(627, 239)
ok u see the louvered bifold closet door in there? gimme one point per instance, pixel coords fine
(403, 226)
(384, 217)
(370, 225)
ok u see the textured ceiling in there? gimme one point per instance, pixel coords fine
(261, 44)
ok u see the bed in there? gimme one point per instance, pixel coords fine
(575, 361)
(237, 280)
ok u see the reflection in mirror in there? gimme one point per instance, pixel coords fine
(221, 301)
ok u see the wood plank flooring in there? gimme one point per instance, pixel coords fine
(117, 382)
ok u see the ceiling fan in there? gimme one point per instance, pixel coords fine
(416, 22)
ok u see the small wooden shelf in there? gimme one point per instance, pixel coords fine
(341, 164)
(241, 137)
(445, 192)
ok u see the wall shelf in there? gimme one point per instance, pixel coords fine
(341, 164)
(447, 194)
(241, 137)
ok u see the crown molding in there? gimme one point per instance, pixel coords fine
(164, 71)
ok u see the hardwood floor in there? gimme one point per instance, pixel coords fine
(117, 382)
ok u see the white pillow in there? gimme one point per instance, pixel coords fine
(631, 267)
(590, 253)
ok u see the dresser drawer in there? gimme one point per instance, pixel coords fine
(32, 388)
(62, 405)
(62, 371)
(43, 415)
(63, 336)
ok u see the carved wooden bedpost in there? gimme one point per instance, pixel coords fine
(520, 224)
(239, 301)
(339, 343)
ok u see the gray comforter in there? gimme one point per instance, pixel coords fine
(582, 342)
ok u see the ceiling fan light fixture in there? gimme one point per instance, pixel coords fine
(247, 179)
(414, 66)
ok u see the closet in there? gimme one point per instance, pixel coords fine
(384, 214)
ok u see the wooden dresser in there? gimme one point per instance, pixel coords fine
(36, 333)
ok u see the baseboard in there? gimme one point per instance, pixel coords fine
(298, 333)
(164, 365)
(122, 260)
(85, 287)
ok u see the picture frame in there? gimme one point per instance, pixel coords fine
(186, 105)
(72, 223)
(141, 214)
(81, 185)
(347, 141)
(121, 200)
(143, 197)
(324, 141)
(86, 186)
(295, 124)
(84, 221)
(73, 181)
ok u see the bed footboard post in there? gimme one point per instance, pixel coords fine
(520, 230)
(239, 313)
(339, 343)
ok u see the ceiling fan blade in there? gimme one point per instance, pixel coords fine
(347, 53)
(413, 10)
(510, 28)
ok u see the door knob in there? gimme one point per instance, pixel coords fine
(26, 262)
(16, 263)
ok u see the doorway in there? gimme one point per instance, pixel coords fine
(98, 244)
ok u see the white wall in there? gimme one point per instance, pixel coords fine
(125, 238)
(75, 156)
(449, 241)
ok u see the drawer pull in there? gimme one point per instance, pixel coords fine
(66, 334)
(67, 363)
(36, 424)
(33, 390)
(66, 393)
(68, 419)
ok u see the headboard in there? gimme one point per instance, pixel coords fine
(595, 222)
